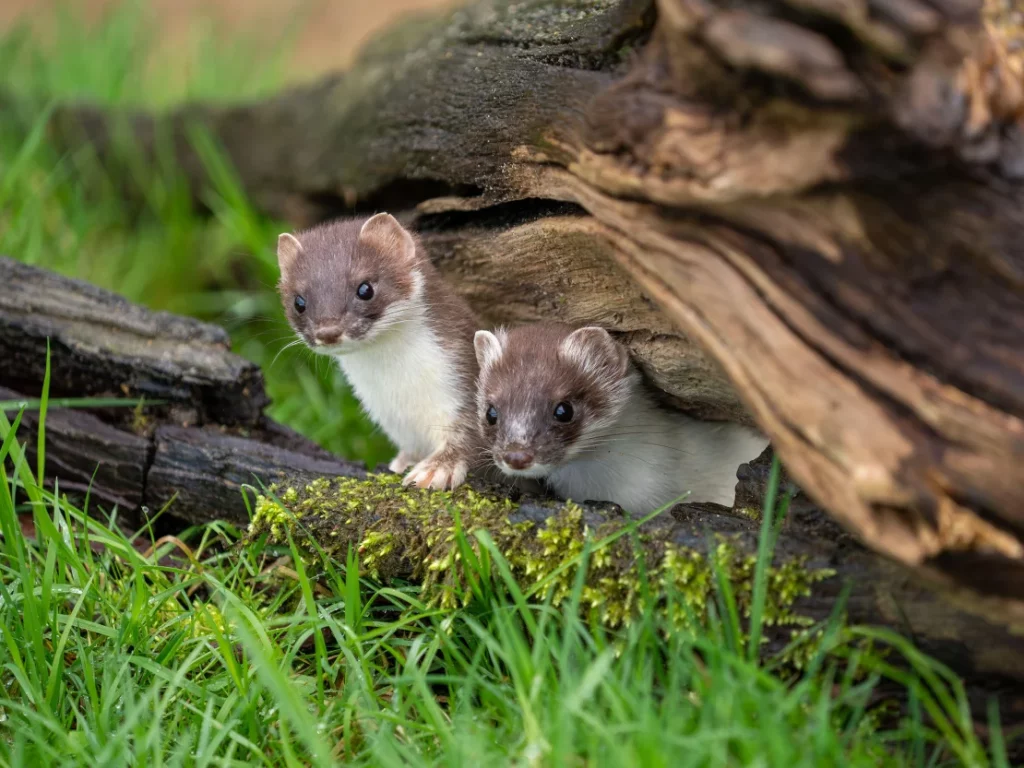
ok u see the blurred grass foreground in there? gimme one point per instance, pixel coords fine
(129, 648)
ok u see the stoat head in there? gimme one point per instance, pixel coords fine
(547, 392)
(347, 283)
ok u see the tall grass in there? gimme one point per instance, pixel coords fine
(194, 650)
(64, 212)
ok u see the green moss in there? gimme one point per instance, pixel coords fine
(412, 534)
(749, 512)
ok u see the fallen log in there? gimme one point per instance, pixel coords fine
(817, 205)
(100, 343)
(200, 471)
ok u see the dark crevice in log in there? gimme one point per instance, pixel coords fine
(499, 216)
(988, 573)
(402, 194)
(144, 511)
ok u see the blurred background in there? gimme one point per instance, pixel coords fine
(60, 211)
(324, 34)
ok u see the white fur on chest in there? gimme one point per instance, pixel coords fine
(408, 385)
(650, 457)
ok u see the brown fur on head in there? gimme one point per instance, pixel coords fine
(546, 388)
(325, 272)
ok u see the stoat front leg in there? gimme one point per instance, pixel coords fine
(445, 469)
(402, 462)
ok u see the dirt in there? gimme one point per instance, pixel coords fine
(330, 31)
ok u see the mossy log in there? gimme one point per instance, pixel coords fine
(809, 214)
(410, 536)
(189, 452)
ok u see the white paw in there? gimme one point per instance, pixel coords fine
(400, 463)
(437, 474)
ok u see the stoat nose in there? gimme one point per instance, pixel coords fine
(328, 335)
(518, 459)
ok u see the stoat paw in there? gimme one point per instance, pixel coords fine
(401, 462)
(438, 473)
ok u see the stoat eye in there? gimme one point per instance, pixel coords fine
(364, 291)
(300, 304)
(492, 415)
(563, 413)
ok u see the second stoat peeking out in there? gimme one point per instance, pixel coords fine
(568, 407)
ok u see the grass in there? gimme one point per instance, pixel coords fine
(194, 650)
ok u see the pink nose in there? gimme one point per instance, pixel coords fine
(518, 459)
(329, 335)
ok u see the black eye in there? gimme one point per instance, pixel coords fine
(563, 413)
(364, 291)
(300, 304)
(492, 415)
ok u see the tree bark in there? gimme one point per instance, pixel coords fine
(815, 211)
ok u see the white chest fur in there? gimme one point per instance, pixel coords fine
(407, 384)
(650, 457)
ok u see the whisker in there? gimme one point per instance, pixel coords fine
(587, 445)
(281, 351)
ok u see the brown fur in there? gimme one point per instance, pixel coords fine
(333, 263)
(533, 375)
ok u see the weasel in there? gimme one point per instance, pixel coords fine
(364, 292)
(568, 406)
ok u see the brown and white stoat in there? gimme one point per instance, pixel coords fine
(364, 292)
(568, 407)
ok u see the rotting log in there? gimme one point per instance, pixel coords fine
(156, 458)
(827, 198)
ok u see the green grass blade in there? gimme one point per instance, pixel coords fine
(41, 439)
(765, 551)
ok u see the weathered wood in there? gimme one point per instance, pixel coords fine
(101, 344)
(204, 470)
(89, 455)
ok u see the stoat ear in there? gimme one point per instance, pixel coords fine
(384, 233)
(593, 349)
(288, 251)
(488, 348)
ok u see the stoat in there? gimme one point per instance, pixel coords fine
(567, 406)
(364, 292)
